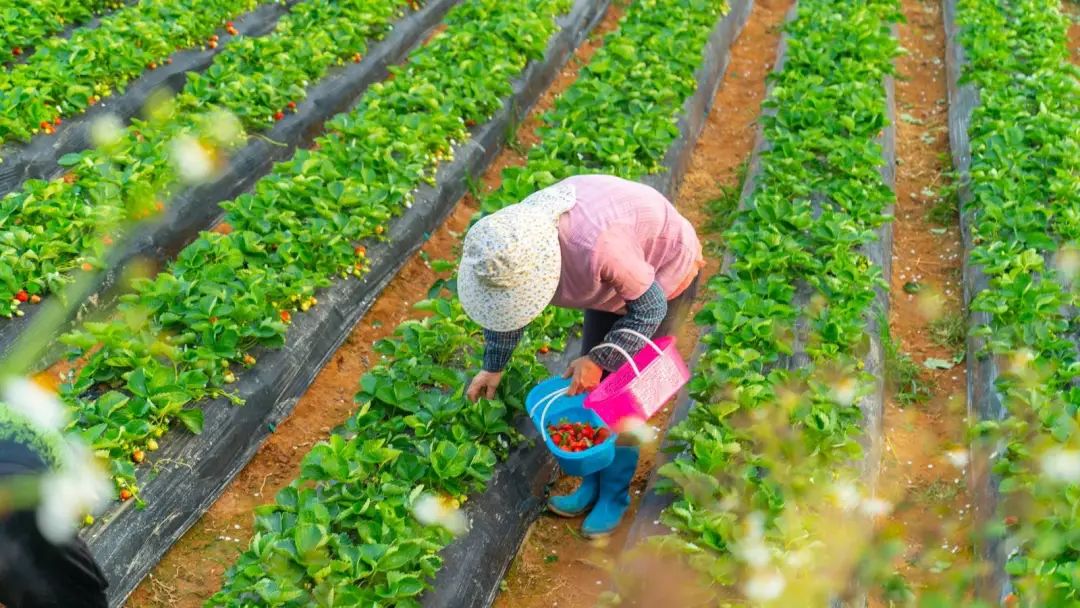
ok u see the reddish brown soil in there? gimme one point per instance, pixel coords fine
(556, 567)
(192, 570)
(928, 489)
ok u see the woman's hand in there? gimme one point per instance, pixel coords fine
(586, 375)
(483, 385)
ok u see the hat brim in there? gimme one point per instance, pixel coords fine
(511, 309)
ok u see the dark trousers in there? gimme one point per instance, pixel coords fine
(37, 574)
(599, 323)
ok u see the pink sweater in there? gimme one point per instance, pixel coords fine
(618, 239)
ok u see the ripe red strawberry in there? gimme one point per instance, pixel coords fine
(16, 51)
(357, 58)
(232, 30)
(230, 24)
(286, 316)
(22, 296)
(545, 349)
(360, 251)
(279, 115)
(212, 44)
(138, 456)
(152, 65)
(292, 105)
(57, 121)
(125, 494)
(45, 124)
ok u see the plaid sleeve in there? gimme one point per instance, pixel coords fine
(498, 347)
(644, 316)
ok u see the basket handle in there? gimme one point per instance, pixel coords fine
(629, 359)
(645, 338)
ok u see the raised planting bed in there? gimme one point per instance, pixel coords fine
(67, 75)
(37, 156)
(24, 26)
(482, 69)
(262, 82)
(419, 434)
(787, 395)
(1014, 98)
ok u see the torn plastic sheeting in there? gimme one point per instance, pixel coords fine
(983, 400)
(37, 159)
(647, 519)
(196, 209)
(193, 470)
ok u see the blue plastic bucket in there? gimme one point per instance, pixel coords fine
(547, 403)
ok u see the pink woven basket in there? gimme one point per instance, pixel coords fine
(642, 385)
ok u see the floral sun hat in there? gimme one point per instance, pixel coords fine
(512, 261)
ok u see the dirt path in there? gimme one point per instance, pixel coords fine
(923, 468)
(193, 569)
(556, 567)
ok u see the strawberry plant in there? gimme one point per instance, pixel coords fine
(66, 75)
(1021, 209)
(344, 530)
(24, 26)
(49, 229)
(174, 341)
(763, 433)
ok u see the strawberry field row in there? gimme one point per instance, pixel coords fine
(1015, 99)
(50, 229)
(23, 26)
(67, 75)
(346, 525)
(305, 216)
(787, 395)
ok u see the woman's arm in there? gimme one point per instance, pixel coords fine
(644, 316)
(499, 347)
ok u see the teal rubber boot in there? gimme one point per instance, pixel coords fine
(614, 492)
(578, 501)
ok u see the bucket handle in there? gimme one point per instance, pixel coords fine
(547, 401)
(629, 359)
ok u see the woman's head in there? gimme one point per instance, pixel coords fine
(511, 261)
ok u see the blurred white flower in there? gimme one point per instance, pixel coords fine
(225, 128)
(637, 429)
(1061, 465)
(38, 405)
(959, 458)
(846, 495)
(106, 131)
(875, 507)
(1020, 361)
(191, 159)
(753, 552)
(845, 390)
(78, 488)
(432, 510)
(764, 586)
(1067, 261)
